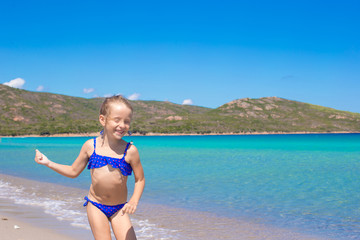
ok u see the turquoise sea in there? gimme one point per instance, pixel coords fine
(306, 184)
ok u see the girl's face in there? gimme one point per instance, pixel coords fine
(117, 121)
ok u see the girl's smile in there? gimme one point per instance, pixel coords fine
(118, 120)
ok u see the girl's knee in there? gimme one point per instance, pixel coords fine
(125, 233)
(123, 228)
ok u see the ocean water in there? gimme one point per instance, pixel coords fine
(306, 184)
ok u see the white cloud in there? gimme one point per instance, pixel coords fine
(15, 83)
(187, 102)
(88, 90)
(40, 88)
(108, 95)
(134, 96)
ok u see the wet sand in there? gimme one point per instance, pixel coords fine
(151, 221)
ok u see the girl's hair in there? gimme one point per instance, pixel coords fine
(105, 106)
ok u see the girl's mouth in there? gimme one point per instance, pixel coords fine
(119, 132)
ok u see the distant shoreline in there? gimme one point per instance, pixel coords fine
(181, 134)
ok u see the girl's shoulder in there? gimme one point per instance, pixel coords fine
(132, 150)
(90, 142)
(88, 146)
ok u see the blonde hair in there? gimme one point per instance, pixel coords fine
(105, 106)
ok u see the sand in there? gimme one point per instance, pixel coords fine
(151, 221)
(14, 229)
(241, 230)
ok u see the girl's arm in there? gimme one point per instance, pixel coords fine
(68, 171)
(130, 207)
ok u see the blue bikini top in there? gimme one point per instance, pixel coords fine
(98, 161)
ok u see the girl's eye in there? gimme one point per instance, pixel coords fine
(117, 120)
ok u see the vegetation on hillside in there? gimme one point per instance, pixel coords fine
(24, 112)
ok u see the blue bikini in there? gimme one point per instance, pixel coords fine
(98, 161)
(107, 210)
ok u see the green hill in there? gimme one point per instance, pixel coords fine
(24, 112)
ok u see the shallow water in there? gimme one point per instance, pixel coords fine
(300, 183)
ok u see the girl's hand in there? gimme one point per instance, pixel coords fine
(41, 158)
(128, 208)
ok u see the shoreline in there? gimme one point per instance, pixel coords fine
(180, 134)
(170, 222)
(24, 218)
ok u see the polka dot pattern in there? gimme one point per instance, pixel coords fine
(98, 161)
(106, 209)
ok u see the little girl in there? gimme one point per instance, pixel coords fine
(110, 160)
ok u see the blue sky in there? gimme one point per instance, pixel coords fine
(205, 52)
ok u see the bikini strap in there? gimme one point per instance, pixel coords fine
(86, 200)
(94, 143)
(127, 147)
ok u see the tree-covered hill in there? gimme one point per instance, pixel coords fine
(24, 112)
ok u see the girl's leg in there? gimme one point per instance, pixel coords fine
(99, 223)
(122, 227)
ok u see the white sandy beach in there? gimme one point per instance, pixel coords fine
(14, 229)
(38, 218)
(173, 223)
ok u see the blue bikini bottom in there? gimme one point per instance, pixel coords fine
(106, 209)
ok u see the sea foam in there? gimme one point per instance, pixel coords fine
(67, 207)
